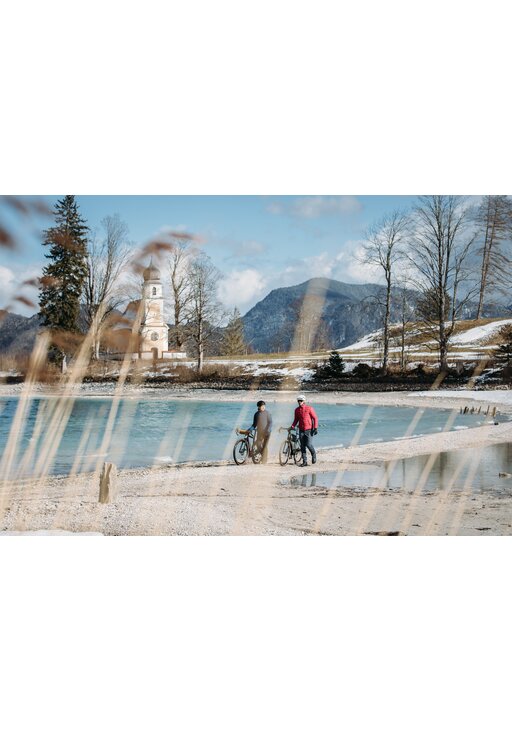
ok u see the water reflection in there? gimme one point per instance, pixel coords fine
(486, 469)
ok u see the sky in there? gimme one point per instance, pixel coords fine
(257, 242)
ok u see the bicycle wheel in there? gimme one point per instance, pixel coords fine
(240, 451)
(284, 452)
(297, 456)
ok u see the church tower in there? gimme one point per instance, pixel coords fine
(154, 330)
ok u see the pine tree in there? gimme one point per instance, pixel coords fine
(233, 343)
(63, 278)
(335, 366)
(503, 353)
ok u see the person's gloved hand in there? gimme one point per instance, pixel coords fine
(314, 431)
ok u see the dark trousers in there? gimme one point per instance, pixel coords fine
(262, 443)
(306, 441)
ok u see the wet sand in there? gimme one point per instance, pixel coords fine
(224, 499)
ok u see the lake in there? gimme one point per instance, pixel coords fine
(62, 435)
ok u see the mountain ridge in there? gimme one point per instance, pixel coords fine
(343, 312)
(318, 314)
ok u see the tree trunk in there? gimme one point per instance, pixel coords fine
(443, 347)
(483, 277)
(177, 325)
(402, 348)
(386, 324)
(200, 348)
(491, 239)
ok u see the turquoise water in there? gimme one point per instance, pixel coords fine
(152, 431)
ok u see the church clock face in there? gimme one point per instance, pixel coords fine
(154, 336)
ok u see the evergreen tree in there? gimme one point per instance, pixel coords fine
(233, 343)
(333, 369)
(503, 353)
(335, 366)
(63, 278)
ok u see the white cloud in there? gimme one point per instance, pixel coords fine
(241, 288)
(275, 208)
(345, 266)
(312, 207)
(248, 248)
(11, 287)
(7, 282)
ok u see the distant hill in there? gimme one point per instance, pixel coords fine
(472, 340)
(339, 313)
(342, 312)
(18, 333)
(315, 315)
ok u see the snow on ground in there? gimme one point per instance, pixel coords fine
(299, 372)
(369, 341)
(480, 334)
(475, 338)
(498, 396)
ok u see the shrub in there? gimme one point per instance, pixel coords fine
(333, 369)
(364, 371)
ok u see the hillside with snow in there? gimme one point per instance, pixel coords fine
(472, 340)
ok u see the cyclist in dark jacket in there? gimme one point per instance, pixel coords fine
(305, 417)
(262, 423)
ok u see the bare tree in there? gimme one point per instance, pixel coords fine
(383, 249)
(439, 257)
(494, 220)
(233, 343)
(107, 258)
(203, 311)
(179, 270)
(406, 312)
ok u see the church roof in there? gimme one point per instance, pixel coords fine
(151, 272)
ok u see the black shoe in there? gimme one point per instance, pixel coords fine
(313, 460)
(304, 465)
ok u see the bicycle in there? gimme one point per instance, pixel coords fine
(290, 448)
(246, 447)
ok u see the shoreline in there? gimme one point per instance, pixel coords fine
(219, 498)
(499, 397)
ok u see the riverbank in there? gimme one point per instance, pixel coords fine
(223, 499)
(441, 398)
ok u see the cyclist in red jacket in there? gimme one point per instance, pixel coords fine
(305, 417)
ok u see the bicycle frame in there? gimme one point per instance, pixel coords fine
(289, 448)
(249, 438)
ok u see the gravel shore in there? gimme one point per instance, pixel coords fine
(223, 499)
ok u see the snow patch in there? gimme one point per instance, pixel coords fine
(480, 334)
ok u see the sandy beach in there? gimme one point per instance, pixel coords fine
(224, 499)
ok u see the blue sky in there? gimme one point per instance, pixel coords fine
(257, 242)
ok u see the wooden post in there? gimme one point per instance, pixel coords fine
(108, 483)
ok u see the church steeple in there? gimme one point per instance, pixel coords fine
(151, 272)
(154, 330)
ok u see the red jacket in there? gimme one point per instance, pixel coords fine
(306, 417)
